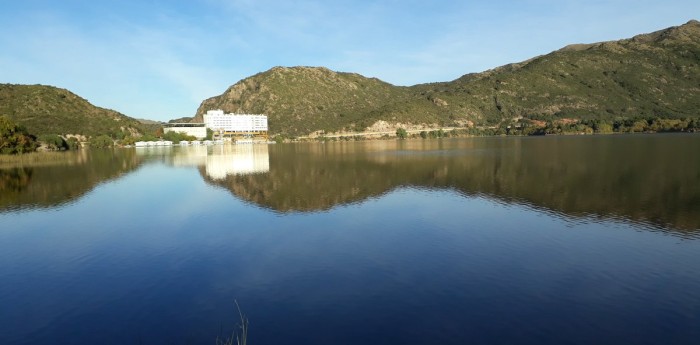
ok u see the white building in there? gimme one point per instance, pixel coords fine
(197, 130)
(235, 123)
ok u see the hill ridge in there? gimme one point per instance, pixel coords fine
(46, 109)
(649, 75)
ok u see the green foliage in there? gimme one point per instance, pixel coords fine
(101, 142)
(401, 133)
(147, 137)
(15, 139)
(210, 134)
(279, 139)
(53, 142)
(177, 137)
(129, 140)
(73, 143)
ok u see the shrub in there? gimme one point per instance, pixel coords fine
(14, 138)
(401, 133)
(53, 142)
(102, 141)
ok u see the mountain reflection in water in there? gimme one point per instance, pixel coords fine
(62, 178)
(651, 179)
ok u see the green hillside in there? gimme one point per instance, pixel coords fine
(50, 110)
(651, 75)
(300, 100)
(656, 74)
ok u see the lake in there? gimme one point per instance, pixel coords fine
(519, 240)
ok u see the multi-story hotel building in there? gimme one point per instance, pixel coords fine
(236, 125)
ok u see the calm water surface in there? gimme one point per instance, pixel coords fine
(551, 240)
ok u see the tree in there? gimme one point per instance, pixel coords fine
(15, 138)
(178, 136)
(102, 141)
(73, 143)
(603, 127)
(53, 142)
(401, 133)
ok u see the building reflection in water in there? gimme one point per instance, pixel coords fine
(227, 160)
(219, 160)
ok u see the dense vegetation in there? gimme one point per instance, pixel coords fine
(653, 77)
(49, 110)
(15, 138)
(55, 142)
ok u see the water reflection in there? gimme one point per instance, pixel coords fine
(651, 179)
(218, 161)
(227, 160)
(621, 177)
(60, 178)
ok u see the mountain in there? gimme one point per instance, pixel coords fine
(650, 75)
(50, 110)
(300, 100)
(656, 74)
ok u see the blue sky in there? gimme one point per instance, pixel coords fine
(159, 59)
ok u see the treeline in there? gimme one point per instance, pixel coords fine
(535, 126)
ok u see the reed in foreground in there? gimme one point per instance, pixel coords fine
(240, 338)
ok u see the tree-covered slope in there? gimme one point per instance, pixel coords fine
(49, 110)
(651, 75)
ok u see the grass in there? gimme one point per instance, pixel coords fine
(239, 333)
(37, 159)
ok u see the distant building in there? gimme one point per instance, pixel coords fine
(197, 130)
(236, 125)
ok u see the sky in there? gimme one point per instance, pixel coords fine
(159, 59)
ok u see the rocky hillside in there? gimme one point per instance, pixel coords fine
(655, 74)
(300, 100)
(50, 110)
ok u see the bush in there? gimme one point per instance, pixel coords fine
(73, 143)
(53, 142)
(102, 141)
(401, 133)
(14, 139)
(177, 137)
